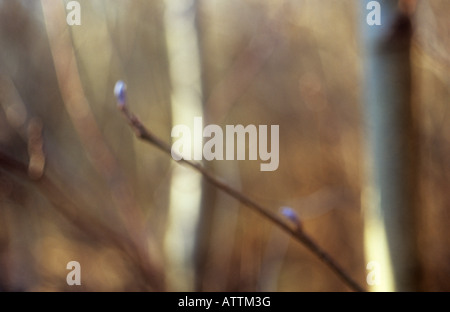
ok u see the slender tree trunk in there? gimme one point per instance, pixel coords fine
(186, 186)
(390, 197)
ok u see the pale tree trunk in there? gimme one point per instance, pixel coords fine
(186, 185)
(390, 196)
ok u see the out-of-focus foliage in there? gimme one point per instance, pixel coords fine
(291, 63)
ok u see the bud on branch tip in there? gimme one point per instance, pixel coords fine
(290, 213)
(120, 91)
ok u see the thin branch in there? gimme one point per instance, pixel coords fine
(297, 233)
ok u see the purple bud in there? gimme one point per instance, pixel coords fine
(289, 213)
(120, 91)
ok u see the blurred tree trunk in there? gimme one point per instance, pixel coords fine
(19, 210)
(390, 196)
(186, 103)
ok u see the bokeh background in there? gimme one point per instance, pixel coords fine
(296, 64)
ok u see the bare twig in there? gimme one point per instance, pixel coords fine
(296, 232)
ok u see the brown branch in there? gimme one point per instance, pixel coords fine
(297, 233)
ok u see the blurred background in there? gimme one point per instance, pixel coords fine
(127, 213)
